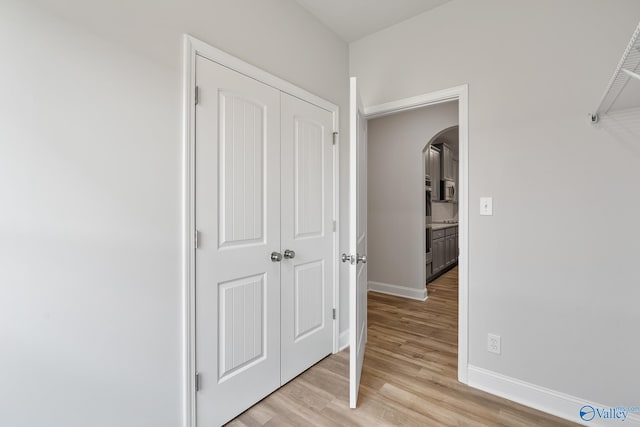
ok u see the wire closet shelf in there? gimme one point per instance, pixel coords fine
(626, 71)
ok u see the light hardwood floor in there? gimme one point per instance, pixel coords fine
(408, 379)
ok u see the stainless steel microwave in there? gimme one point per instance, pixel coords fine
(448, 190)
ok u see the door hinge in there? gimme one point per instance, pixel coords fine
(334, 314)
(197, 95)
(335, 137)
(197, 381)
(335, 225)
(196, 239)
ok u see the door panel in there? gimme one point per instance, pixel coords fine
(238, 216)
(241, 341)
(357, 241)
(310, 143)
(241, 169)
(307, 230)
(308, 299)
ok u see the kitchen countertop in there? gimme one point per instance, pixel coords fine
(442, 225)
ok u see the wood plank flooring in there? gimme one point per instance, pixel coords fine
(409, 376)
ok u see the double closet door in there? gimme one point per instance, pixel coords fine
(264, 264)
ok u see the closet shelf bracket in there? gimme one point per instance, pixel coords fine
(626, 70)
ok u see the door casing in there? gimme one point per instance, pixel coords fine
(191, 48)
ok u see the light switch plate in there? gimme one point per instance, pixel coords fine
(486, 205)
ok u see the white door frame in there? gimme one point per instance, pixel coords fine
(193, 47)
(460, 94)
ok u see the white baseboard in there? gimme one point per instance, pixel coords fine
(343, 340)
(399, 291)
(550, 401)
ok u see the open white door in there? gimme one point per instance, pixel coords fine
(357, 240)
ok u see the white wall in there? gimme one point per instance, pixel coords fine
(91, 181)
(554, 271)
(396, 192)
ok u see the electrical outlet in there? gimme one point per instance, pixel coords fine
(493, 344)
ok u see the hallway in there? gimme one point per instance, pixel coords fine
(409, 376)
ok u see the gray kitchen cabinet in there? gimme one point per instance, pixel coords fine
(444, 249)
(450, 246)
(434, 170)
(427, 162)
(438, 250)
(457, 245)
(454, 245)
(438, 255)
(455, 178)
(448, 251)
(446, 167)
(446, 162)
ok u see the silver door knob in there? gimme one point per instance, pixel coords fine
(362, 259)
(346, 258)
(289, 254)
(276, 256)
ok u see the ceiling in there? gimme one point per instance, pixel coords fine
(354, 19)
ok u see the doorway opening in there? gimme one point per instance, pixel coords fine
(423, 241)
(441, 165)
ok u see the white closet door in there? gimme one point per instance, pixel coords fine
(307, 230)
(238, 216)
